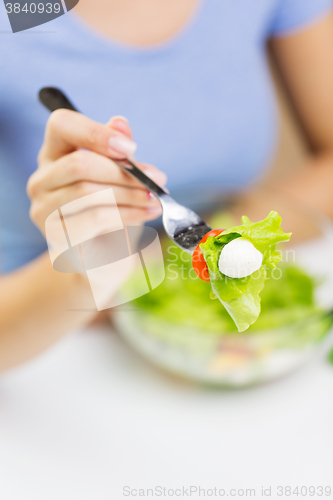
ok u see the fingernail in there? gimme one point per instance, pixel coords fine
(155, 210)
(119, 117)
(122, 144)
(121, 124)
(155, 176)
(151, 197)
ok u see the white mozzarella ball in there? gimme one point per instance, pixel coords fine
(239, 258)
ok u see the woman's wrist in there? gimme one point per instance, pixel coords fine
(313, 185)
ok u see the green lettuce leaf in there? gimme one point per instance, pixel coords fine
(264, 235)
(245, 309)
(240, 296)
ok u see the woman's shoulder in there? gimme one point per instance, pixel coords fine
(292, 15)
(5, 27)
(267, 17)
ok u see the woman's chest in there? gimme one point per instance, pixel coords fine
(201, 109)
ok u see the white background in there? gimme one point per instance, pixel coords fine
(90, 416)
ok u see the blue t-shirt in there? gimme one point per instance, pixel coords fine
(201, 105)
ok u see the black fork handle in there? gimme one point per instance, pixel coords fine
(53, 99)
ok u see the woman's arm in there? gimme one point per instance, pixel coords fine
(38, 307)
(37, 304)
(306, 62)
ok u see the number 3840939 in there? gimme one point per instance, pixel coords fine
(304, 491)
(33, 8)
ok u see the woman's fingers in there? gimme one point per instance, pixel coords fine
(131, 197)
(121, 124)
(68, 130)
(75, 162)
(128, 201)
(99, 217)
(87, 166)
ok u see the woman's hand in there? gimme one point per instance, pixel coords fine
(74, 161)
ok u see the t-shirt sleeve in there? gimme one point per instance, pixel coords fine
(5, 27)
(292, 15)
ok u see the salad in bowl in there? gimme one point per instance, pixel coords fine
(247, 307)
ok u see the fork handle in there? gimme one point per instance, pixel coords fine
(53, 99)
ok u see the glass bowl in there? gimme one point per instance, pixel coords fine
(178, 331)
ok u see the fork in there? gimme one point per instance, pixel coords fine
(183, 226)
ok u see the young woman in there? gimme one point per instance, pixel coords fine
(192, 79)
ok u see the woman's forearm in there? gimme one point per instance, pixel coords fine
(314, 184)
(37, 307)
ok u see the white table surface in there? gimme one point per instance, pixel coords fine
(89, 417)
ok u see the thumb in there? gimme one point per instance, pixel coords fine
(121, 141)
(120, 123)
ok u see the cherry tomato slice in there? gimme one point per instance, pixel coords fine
(198, 261)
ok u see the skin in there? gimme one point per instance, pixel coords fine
(306, 62)
(37, 302)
